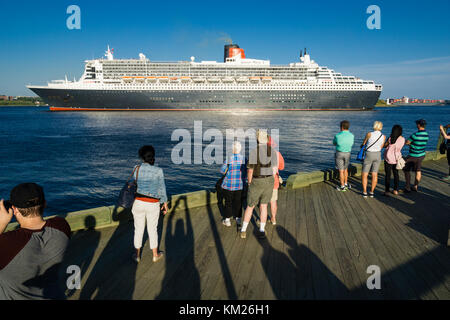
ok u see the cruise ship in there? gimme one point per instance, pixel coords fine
(236, 83)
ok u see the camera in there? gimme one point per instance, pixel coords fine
(7, 204)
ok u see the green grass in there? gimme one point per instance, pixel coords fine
(22, 102)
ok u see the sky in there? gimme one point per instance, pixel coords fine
(409, 55)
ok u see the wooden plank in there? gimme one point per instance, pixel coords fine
(290, 247)
(360, 252)
(349, 271)
(334, 273)
(263, 272)
(302, 254)
(423, 270)
(362, 246)
(218, 289)
(322, 289)
(398, 255)
(401, 283)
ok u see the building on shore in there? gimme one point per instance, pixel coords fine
(406, 100)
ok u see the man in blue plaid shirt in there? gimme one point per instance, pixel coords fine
(233, 184)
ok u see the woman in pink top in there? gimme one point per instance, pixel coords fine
(392, 153)
(273, 201)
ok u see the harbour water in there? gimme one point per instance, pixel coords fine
(82, 159)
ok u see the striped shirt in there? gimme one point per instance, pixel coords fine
(418, 144)
(236, 174)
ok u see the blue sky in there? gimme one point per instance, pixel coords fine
(410, 55)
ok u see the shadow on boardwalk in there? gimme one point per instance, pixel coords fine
(90, 240)
(428, 209)
(115, 256)
(181, 280)
(294, 269)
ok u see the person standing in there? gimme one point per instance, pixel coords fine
(393, 152)
(274, 200)
(233, 184)
(151, 199)
(263, 163)
(344, 142)
(417, 144)
(447, 137)
(375, 141)
(31, 256)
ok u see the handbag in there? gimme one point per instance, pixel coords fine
(400, 163)
(220, 181)
(128, 192)
(362, 153)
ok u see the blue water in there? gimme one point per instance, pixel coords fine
(83, 159)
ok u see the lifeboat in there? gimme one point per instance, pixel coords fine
(254, 79)
(266, 79)
(151, 79)
(174, 80)
(198, 80)
(127, 79)
(214, 80)
(140, 79)
(242, 79)
(227, 80)
(185, 79)
(163, 79)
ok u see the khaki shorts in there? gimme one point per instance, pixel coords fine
(342, 160)
(260, 191)
(274, 195)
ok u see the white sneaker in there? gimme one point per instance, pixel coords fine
(226, 223)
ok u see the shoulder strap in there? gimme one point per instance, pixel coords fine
(375, 141)
(137, 173)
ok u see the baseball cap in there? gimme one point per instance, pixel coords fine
(27, 195)
(421, 122)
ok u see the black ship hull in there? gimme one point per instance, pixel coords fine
(82, 99)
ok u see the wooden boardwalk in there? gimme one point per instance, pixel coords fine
(320, 249)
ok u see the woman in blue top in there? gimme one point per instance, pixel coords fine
(233, 184)
(151, 199)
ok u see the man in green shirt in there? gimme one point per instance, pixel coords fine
(343, 141)
(417, 143)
